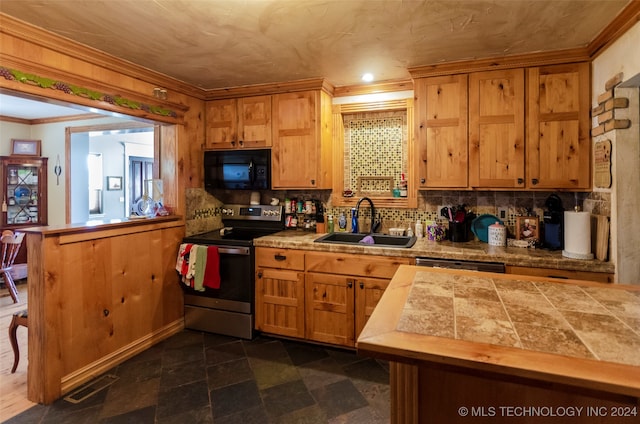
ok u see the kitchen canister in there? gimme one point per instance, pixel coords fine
(436, 232)
(497, 235)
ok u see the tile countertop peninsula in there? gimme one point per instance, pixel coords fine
(470, 251)
(568, 337)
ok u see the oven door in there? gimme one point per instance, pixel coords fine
(237, 287)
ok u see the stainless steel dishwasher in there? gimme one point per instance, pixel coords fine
(459, 264)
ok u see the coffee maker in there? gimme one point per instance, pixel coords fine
(553, 219)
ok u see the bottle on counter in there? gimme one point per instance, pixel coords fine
(403, 185)
(354, 220)
(342, 222)
(419, 229)
(409, 231)
(330, 224)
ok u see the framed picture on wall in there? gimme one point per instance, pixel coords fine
(527, 228)
(114, 183)
(25, 147)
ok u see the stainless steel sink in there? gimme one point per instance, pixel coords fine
(380, 240)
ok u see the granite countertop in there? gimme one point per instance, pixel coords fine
(470, 251)
(570, 332)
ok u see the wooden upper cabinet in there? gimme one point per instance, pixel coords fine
(441, 131)
(558, 143)
(496, 129)
(301, 153)
(239, 123)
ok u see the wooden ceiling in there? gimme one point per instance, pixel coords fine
(214, 44)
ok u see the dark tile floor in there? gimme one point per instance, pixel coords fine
(196, 377)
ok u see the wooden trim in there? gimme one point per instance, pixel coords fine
(271, 88)
(381, 87)
(403, 382)
(49, 40)
(627, 18)
(104, 364)
(39, 121)
(22, 65)
(506, 62)
(400, 104)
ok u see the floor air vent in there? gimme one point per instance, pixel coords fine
(91, 388)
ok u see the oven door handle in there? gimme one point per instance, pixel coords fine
(233, 251)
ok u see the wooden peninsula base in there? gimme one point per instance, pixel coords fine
(491, 348)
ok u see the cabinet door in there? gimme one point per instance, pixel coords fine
(221, 124)
(24, 186)
(368, 294)
(496, 129)
(329, 308)
(280, 302)
(295, 153)
(441, 131)
(254, 122)
(558, 143)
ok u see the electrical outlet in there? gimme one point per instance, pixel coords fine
(503, 213)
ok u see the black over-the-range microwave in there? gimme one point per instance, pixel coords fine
(237, 169)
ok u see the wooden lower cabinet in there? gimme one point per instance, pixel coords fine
(324, 297)
(338, 306)
(329, 306)
(280, 292)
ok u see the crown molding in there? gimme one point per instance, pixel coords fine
(627, 18)
(270, 88)
(379, 87)
(49, 40)
(505, 62)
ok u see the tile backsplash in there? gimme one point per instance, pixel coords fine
(203, 209)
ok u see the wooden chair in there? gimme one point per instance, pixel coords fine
(10, 245)
(19, 318)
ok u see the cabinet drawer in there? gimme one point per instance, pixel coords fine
(280, 258)
(360, 265)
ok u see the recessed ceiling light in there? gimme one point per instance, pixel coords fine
(368, 77)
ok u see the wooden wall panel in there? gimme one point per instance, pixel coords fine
(98, 296)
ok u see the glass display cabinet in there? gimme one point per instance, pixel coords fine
(24, 191)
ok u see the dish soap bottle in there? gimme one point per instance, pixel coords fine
(419, 229)
(342, 222)
(330, 223)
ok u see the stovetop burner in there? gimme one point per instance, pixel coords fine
(242, 224)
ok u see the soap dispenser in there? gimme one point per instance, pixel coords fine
(419, 229)
(342, 222)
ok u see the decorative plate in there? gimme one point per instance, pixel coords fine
(22, 195)
(480, 226)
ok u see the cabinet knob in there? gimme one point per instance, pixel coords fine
(361, 285)
(313, 182)
(423, 180)
(279, 257)
(260, 274)
(349, 283)
(534, 181)
(105, 312)
(233, 143)
(241, 143)
(520, 181)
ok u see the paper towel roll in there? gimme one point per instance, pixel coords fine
(577, 235)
